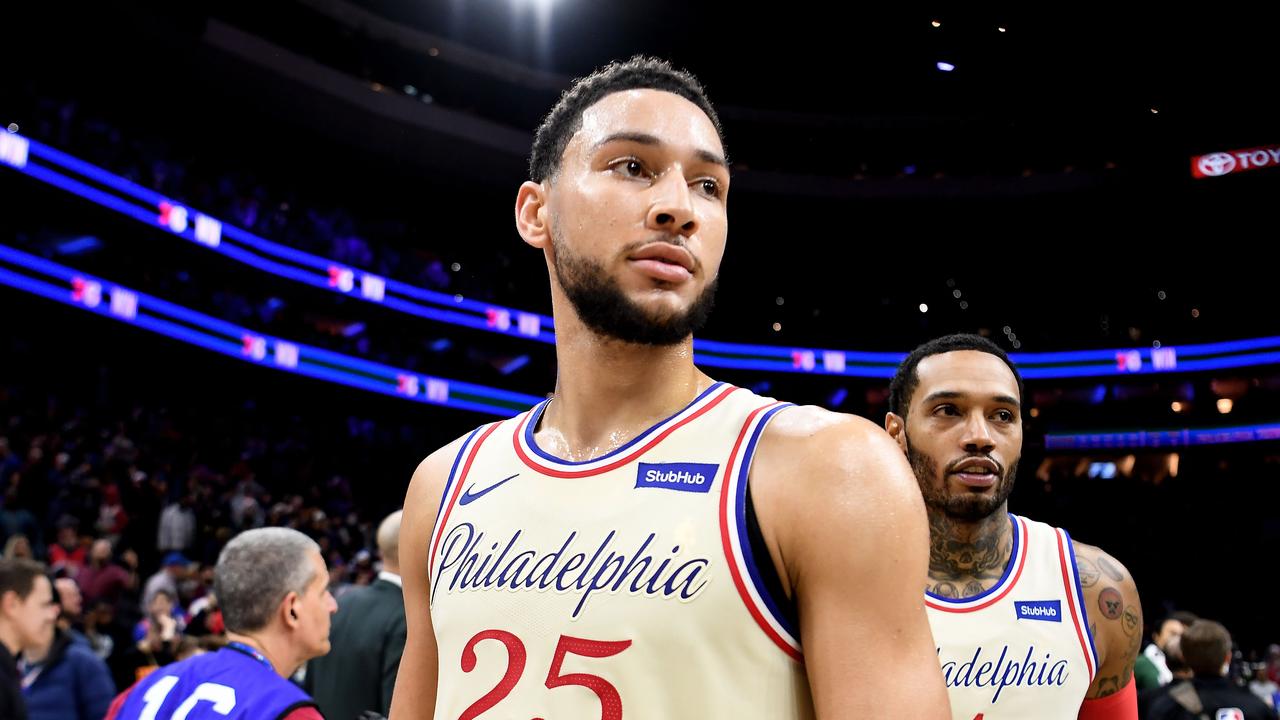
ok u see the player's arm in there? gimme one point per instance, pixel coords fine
(1114, 614)
(845, 524)
(415, 688)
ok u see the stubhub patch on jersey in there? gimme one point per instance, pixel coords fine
(1047, 610)
(686, 477)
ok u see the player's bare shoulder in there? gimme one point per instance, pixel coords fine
(422, 500)
(811, 447)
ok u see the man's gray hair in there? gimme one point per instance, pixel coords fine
(388, 538)
(256, 570)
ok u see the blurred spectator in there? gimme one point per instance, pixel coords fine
(97, 624)
(17, 522)
(71, 602)
(27, 614)
(177, 526)
(157, 635)
(102, 579)
(64, 680)
(18, 547)
(1206, 647)
(366, 639)
(67, 553)
(172, 571)
(1177, 665)
(1151, 670)
(112, 518)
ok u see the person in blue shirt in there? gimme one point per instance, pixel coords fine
(272, 585)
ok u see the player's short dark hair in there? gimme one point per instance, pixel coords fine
(906, 380)
(638, 73)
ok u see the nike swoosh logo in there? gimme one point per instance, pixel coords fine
(468, 496)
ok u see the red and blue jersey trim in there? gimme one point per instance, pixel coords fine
(743, 567)
(453, 486)
(547, 464)
(997, 592)
(1075, 601)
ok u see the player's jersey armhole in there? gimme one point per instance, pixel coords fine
(1080, 613)
(767, 571)
(746, 559)
(453, 475)
(453, 485)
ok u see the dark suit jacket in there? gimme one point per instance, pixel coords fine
(12, 705)
(367, 639)
(1215, 694)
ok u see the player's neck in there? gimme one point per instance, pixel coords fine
(968, 555)
(281, 660)
(609, 391)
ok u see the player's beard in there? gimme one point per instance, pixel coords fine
(605, 308)
(964, 505)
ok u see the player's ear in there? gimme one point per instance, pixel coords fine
(533, 220)
(896, 426)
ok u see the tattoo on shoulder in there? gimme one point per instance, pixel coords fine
(1132, 654)
(1108, 685)
(1088, 571)
(1110, 569)
(1132, 621)
(1110, 603)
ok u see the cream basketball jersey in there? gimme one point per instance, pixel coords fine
(1022, 649)
(624, 586)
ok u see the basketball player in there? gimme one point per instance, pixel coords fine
(650, 543)
(272, 586)
(1028, 624)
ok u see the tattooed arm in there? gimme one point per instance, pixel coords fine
(1115, 616)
